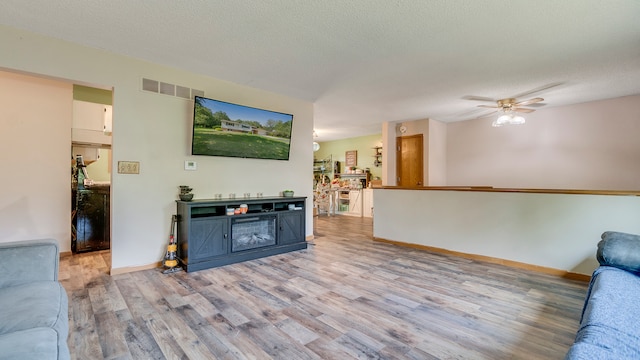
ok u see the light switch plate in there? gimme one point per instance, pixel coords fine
(190, 165)
(128, 167)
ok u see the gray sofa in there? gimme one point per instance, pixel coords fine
(609, 324)
(34, 321)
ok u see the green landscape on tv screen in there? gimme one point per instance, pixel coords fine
(225, 129)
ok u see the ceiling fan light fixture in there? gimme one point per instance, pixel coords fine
(508, 107)
(508, 118)
(517, 120)
(501, 120)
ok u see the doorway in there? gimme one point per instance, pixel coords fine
(410, 160)
(91, 158)
(90, 211)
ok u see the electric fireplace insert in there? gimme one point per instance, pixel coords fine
(253, 232)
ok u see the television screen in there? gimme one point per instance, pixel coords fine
(225, 129)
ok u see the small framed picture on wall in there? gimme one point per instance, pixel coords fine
(351, 158)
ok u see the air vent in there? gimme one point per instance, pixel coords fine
(164, 88)
(150, 85)
(167, 89)
(183, 92)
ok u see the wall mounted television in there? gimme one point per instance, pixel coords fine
(225, 129)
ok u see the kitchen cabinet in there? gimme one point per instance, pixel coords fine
(349, 202)
(108, 119)
(91, 229)
(355, 202)
(89, 154)
(367, 202)
(91, 123)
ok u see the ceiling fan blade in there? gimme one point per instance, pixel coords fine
(489, 106)
(478, 98)
(468, 113)
(487, 114)
(528, 102)
(481, 115)
(523, 110)
(537, 90)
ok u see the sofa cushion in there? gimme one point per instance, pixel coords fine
(608, 328)
(619, 250)
(41, 304)
(27, 261)
(31, 344)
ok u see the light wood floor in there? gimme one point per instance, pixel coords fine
(345, 297)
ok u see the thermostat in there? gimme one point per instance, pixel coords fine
(190, 165)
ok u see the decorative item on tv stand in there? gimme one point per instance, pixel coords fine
(287, 193)
(185, 193)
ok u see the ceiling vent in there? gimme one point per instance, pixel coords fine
(164, 88)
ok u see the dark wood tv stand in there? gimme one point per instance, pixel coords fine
(207, 237)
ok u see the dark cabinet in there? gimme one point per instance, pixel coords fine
(291, 227)
(91, 229)
(208, 237)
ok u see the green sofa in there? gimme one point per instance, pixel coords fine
(34, 322)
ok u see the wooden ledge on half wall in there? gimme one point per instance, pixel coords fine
(516, 190)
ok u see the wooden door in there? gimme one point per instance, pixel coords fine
(409, 160)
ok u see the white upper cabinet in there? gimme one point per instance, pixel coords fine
(367, 202)
(91, 123)
(107, 119)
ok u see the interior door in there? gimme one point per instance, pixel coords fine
(410, 160)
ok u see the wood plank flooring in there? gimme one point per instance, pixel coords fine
(346, 297)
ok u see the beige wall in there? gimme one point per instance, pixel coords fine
(437, 152)
(35, 144)
(153, 129)
(592, 145)
(558, 231)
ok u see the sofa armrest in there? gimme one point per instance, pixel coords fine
(30, 260)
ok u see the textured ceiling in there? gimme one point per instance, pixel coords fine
(364, 62)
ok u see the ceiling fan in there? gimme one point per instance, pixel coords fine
(511, 105)
(509, 108)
